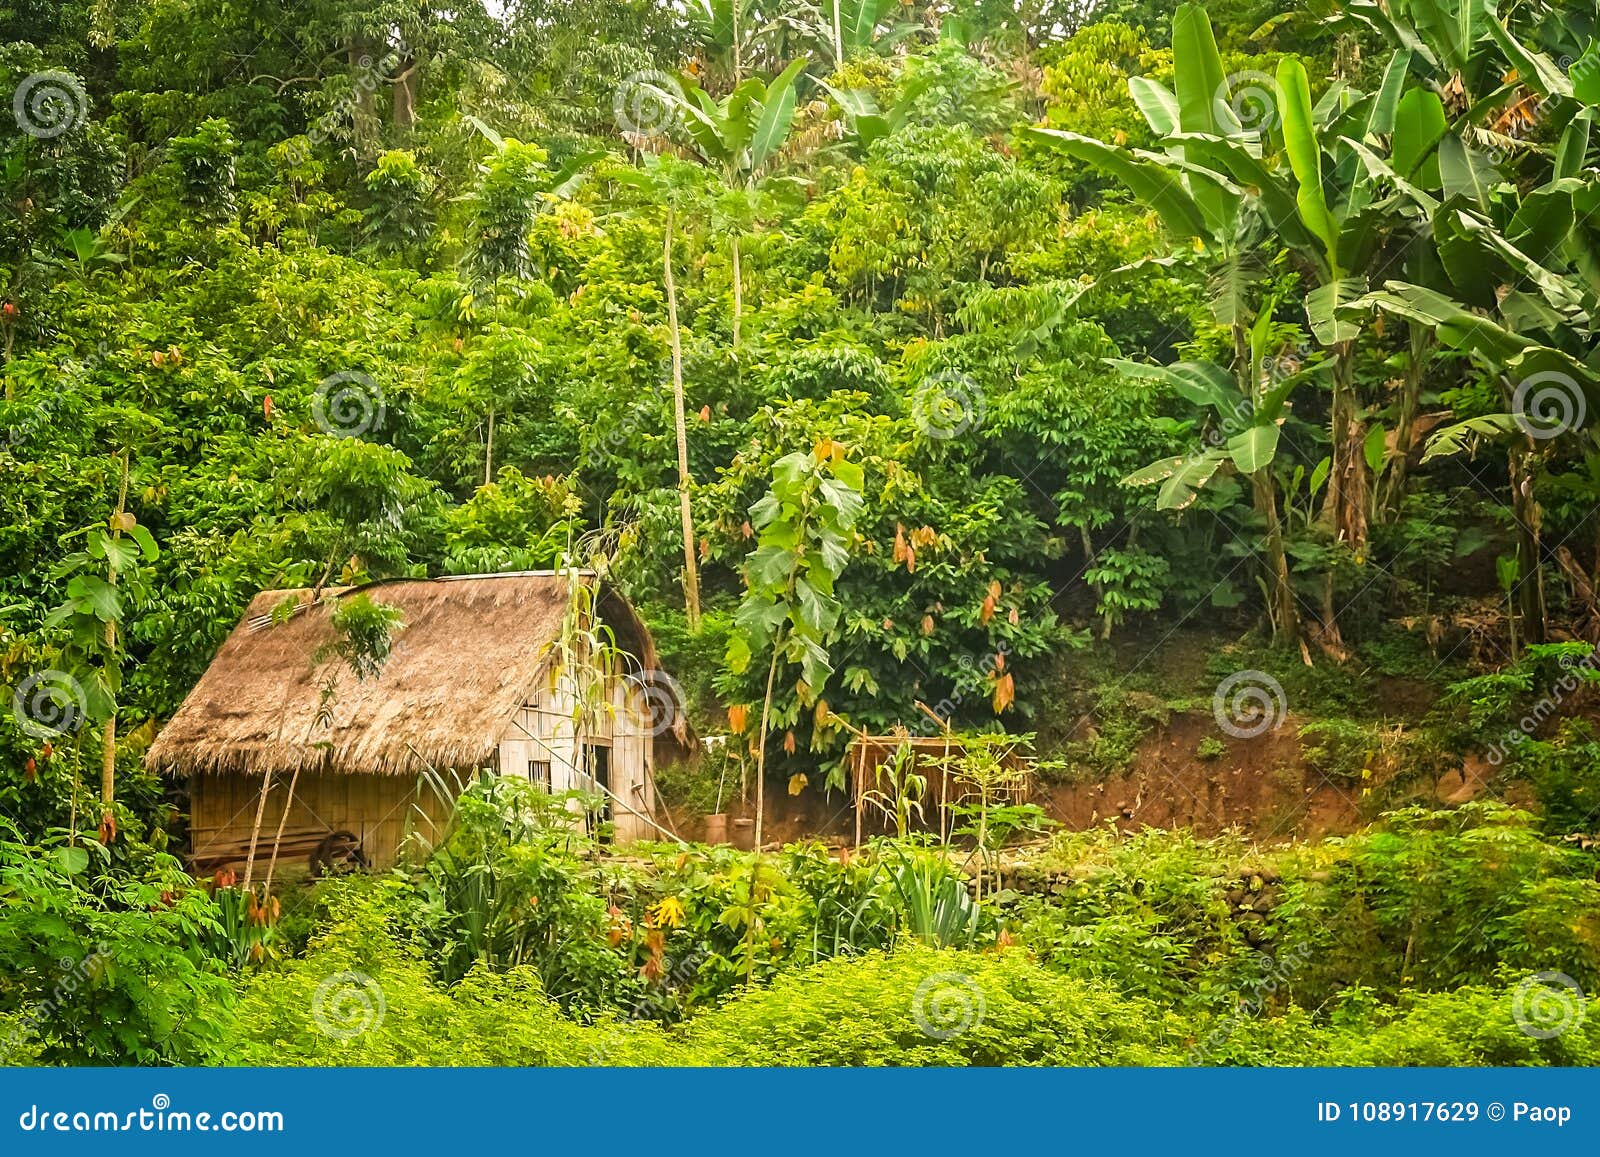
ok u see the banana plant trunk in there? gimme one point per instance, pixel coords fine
(1393, 491)
(1285, 620)
(1525, 507)
(1345, 508)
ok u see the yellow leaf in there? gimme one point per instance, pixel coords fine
(797, 783)
(669, 912)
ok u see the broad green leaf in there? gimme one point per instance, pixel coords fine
(1254, 449)
(1418, 126)
(1180, 491)
(147, 543)
(1154, 184)
(1573, 148)
(1467, 173)
(1453, 439)
(1586, 76)
(1156, 102)
(1386, 101)
(777, 112)
(1325, 306)
(1305, 155)
(1375, 447)
(97, 596)
(1319, 475)
(1199, 80)
(72, 859)
(1203, 383)
(1273, 194)
(1534, 69)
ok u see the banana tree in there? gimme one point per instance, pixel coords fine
(1314, 175)
(852, 27)
(1547, 391)
(739, 138)
(1250, 405)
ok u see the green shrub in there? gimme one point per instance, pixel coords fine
(986, 1009)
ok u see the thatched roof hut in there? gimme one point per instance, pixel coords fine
(469, 683)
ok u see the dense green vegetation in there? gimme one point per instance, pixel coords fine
(954, 355)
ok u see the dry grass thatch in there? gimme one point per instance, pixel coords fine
(467, 656)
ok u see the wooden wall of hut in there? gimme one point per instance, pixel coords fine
(378, 809)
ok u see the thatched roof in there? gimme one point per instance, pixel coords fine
(468, 654)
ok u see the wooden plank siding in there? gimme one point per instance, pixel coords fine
(378, 809)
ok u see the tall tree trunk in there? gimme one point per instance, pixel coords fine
(108, 756)
(488, 449)
(404, 85)
(738, 292)
(838, 38)
(691, 571)
(362, 60)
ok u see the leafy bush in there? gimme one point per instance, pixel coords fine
(105, 968)
(982, 1009)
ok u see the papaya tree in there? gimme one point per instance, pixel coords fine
(805, 531)
(105, 579)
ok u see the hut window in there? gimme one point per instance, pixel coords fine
(539, 772)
